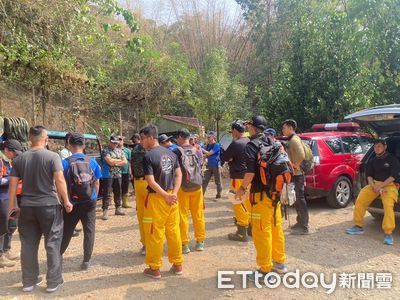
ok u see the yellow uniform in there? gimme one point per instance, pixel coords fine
(241, 211)
(161, 220)
(268, 239)
(193, 202)
(141, 194)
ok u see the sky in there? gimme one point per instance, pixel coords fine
(161, 10)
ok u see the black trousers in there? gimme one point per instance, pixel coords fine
(300, 204)
(114, 185)
(216, 172)
(7, 227)
(125, 184)
(86, 213)
(33, 223)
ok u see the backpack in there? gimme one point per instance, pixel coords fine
(138, 153)
(191, 171)
(275, 169)
(80, 179)
(308, 163)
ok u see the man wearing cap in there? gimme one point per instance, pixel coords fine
(383, 172)
(212, 153)
(295, 150)
(112, 160)
(140, 184)
(268, 237)
(235, 156)
(165, 141)
(11, 148)
(84, 210)
(270, 133)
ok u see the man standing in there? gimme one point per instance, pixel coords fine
(267, 232)
(140, 185)
(382, 174)
(212, 153)
(161, 212)
(295, 150)
(190, 195)
(112, 160)
(11, 148)
(66, 152)
(126, 174)
(166, 142)
(41, 212)
(235, 156)
(82, 175)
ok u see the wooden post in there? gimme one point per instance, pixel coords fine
(33, 107)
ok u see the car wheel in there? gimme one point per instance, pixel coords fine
(377, 216)
(341, 194)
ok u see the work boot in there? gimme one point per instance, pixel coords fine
(5, 262)
(240, 235)
(119, 212)
(125, 202)
(105, 215)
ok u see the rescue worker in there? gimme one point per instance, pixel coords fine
(270, 256)
(190, 195)
(235, 156)
(161, 211)
(382, 174)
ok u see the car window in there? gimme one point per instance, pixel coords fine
(352, 145)
(92, 147)
(366, 143)
(335, 145)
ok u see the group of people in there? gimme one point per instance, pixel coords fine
(49, 196)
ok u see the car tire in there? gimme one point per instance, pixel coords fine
(376, 216)
(341, 194)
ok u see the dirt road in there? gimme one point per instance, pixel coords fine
(117, 265)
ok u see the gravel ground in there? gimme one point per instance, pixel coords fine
(117, 267)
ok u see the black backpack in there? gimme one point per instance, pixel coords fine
(192, 179)
(138, 153)
(80, 179)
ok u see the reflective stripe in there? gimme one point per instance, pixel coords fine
(256, 216)
(147, 220)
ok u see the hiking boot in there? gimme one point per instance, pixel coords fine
(295, 226)
(300, 231)
(155, 274)
(51, 288)
(85, 265)
(5, 262)
(177, 270)
(240, 235)
(199, 246)
(185, 249)
(218, 196)
(11, 255)
(355, 230)
(105, 215)
(119, 212)
(75, 233)
(143, 251)
(388, 239)
(30, 288)
(279, 268)
(125, 202)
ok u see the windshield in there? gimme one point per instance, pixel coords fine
(56, 144)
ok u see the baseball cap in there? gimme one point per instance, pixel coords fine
(380, 141)
(212, 133)
(135, 136)
(270, 131)
(238, 125)
(259, 122)
(13, 145)
(115, 139)
(164, 138)
(76, 138)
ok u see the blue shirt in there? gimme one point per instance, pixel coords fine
(213, 160)
(172, 147)
(93, 165)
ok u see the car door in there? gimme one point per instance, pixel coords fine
(353, 151)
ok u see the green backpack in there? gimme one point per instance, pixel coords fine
(308, 163)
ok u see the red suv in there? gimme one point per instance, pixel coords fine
(338, 150)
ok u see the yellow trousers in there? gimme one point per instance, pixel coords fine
(141, 192)
(367, 196)
(241, 211)
(268, 239)
(193, 202)
(161, 220)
